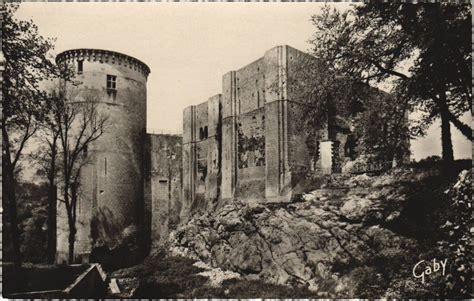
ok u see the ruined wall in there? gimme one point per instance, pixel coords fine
(188, 160)
(250, 131)
(214, 145)
(304, 142)
(278, 173)
(201, 156)
(201, 145)
(261, 147)
(229, 146)
(163, 179)
(111, 192)
(268, 153)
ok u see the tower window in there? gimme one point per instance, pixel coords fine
(80, 66)
(111, 82)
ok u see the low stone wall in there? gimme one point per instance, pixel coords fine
(91, 283)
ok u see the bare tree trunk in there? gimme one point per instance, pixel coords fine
(72, 228)
(52, 212)
(447, 144)
(52, 199)
(9, 195)
(72, 222)
(72, 239)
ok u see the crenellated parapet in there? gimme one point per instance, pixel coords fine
(103, 56)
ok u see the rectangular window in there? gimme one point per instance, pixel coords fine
(111, 82)
(80, 66)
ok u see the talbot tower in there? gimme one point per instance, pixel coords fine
(111, 186)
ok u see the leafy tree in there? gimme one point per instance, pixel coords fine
(375, 121)
(24, 102)
(381, 128)
(423, 50)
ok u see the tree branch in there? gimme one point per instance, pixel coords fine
(27, 135)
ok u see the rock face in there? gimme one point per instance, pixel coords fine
(317, 242)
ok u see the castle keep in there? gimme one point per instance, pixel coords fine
(247, 142)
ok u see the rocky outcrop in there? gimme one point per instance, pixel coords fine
(323, 241)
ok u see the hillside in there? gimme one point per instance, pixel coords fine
(355, 236)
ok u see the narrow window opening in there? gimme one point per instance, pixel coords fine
(112, 86)
(80, 66)
(111, 82)
(105, 166)
(205, 132)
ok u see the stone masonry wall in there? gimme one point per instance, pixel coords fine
(261, 146)
(201, 156)
(111, 191)
(268, 153)
(163, 181)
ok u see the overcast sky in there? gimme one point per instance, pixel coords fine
(189, 46)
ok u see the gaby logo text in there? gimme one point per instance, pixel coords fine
(424, 267)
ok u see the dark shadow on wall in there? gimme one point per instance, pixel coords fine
(112, 247)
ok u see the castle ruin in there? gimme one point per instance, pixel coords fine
(245, 143)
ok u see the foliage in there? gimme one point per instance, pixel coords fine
(32, 214)
(382, 128)
(458, 231)
(28, 63)
(341, 103)
(311, 82)
(422, 50)
(24, 102)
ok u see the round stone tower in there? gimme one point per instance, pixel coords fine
(111, 183)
